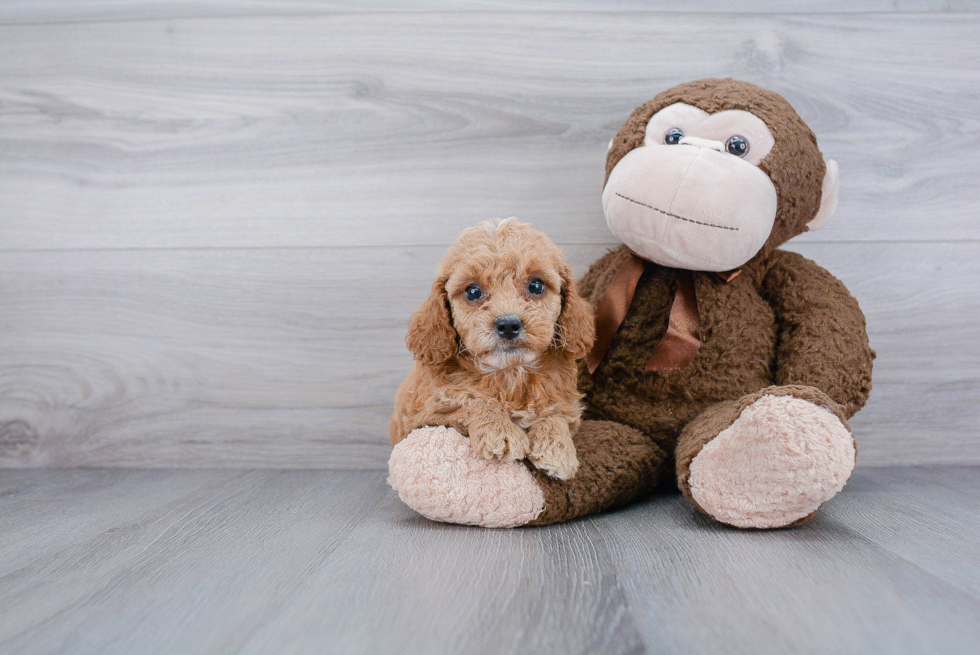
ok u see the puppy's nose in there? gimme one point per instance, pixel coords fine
(508, 326)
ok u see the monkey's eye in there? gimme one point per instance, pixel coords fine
(737, 145)
(535, 287)
(673, 136)
(474, 292)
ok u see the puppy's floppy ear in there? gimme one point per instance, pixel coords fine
(431, 336)
(576, 325)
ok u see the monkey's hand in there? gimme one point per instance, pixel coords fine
(494, 436)
(552, 449)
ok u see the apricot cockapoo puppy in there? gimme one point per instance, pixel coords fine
(495, 348)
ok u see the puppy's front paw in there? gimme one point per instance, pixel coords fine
(552, 449)
(499, 440)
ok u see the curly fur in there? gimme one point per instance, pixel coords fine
(513, 399)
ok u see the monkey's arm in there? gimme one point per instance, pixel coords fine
(794, 435)
(822, 340)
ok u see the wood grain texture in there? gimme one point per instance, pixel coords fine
(315, 561)
(907, 512)
(61, 11)
(215, 221)
(290, 358)
(788, 591)
(82, 504)
(391, 128)
(223, 550)
(510, 591)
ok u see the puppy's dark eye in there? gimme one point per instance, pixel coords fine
(474, 292)
(673, 136)
(536, 287)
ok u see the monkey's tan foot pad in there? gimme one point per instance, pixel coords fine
(436, 473)
(776, 464)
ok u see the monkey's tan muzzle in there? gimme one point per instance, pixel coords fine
(690, 205)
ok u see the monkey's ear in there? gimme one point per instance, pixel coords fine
(828, 199)
(576, 325)
(431, 336)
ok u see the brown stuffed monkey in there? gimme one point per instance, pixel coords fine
(718, 357)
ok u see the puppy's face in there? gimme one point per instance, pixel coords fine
(505, 294)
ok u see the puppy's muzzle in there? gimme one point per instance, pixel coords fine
(508, 326)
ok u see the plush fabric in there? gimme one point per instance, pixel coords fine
(783, 327)
(794, 164)
(783, 321)
(777, 463)
(437, 474)
(652, 189)
(828, 201)
(616, 463)
(718, 127)
(800, 334)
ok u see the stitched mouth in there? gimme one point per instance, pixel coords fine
(680, 218)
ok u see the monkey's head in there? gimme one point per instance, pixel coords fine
(710, 173)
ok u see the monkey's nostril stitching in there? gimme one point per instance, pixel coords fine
(682, 218)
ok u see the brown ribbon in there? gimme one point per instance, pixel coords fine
(728, 276)
(613, 307)
(681, 342)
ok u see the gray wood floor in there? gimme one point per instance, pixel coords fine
(177, 561)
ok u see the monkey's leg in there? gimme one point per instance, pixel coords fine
(767, 460)
(436, 473)
(617, 464)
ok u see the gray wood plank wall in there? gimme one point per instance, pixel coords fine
(216, 219)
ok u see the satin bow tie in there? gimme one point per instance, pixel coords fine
(681, 342)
